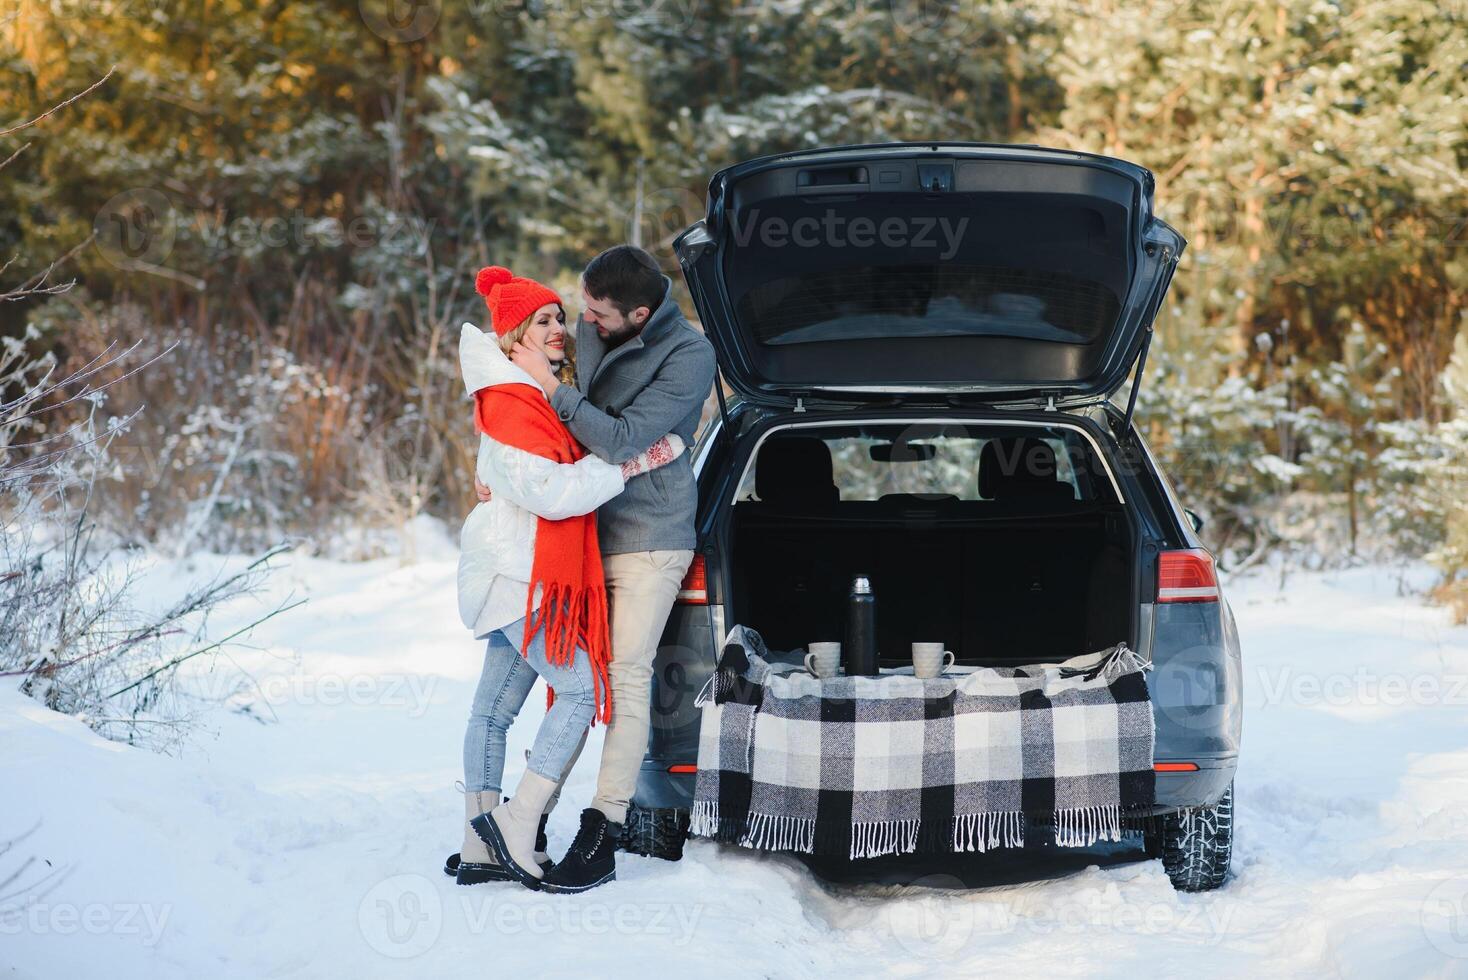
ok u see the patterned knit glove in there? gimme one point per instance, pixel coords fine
(660, 453)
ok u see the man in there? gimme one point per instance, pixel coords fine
(642, 372)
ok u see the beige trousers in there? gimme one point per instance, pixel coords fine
(641, 587)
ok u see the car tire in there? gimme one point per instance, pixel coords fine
(658, 833)
(1196, 844)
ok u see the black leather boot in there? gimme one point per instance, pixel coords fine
(591, 861)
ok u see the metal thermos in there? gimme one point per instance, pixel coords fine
(859, 648)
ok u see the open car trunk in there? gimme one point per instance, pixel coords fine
(1028, 559)
(992, 273)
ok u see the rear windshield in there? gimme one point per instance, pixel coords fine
(932, 463)
(971, 266)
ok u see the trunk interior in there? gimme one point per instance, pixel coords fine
(1035, 565)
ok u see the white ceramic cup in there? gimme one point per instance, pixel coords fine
(824, 659)
(930, 659)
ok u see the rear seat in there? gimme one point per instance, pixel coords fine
(795, 472)
(1021, 469)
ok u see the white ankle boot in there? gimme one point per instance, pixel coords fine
(542, 859)
(474, 850)
(510, 828)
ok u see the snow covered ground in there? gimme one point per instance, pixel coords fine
(304, 838)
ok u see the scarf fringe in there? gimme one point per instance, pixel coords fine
(572, 619)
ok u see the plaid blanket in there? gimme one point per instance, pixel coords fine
(866, 766)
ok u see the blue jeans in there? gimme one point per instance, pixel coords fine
(503, 686)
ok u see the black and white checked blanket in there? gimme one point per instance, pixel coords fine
(866, 766)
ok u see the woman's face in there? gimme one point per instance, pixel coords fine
(547, 332)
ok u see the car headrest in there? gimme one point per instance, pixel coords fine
(795, 470)
(1020, 468)
(916, 499)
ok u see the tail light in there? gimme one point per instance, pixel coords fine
(1186, 576)
(1174, 767)
(695, 588)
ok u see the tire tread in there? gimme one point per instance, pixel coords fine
(658, 833)
(1196, 845)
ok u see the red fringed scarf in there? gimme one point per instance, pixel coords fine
(567, 563)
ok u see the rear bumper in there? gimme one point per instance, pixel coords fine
(658, 789)
(1196, 689)
(1181, 790)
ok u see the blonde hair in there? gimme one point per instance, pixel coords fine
(566, 372)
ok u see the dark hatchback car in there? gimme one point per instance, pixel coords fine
(926, 343)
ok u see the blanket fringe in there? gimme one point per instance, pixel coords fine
(1123, 660)
(703, 821)
(773, 832)
(876, 838)
(1084, 825)
(762, 831)
(984, 831)
(970, 832)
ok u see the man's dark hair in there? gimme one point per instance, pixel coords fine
(627, 277)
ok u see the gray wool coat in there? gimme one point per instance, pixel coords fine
(627, 398)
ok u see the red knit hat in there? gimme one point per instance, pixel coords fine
(510, 299)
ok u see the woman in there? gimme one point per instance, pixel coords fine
(530, 577)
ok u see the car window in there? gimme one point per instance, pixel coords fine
(943, 463)
(967, 265)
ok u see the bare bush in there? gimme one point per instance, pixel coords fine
(72, 634)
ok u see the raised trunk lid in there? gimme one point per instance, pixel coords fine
(923, 271)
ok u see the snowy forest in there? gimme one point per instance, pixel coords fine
(238, 239)
(237, 236)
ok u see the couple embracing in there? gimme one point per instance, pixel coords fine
(572, 560)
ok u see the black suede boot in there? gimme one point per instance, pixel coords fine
(542, 845)
(591, 861)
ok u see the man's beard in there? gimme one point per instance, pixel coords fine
(620, 336)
